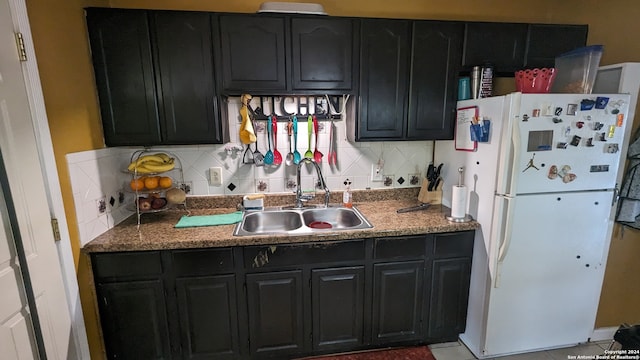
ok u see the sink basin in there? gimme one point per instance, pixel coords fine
(336, 218)
(271, 221)
(294, 221)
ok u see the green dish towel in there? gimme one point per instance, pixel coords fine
(209, 220)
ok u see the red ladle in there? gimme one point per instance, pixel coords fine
(277, 157)
(317, 155)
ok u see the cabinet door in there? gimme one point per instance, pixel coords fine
(384, 64)
(188, 101)
(449, 298)
(275, 308)
(500, 44)
(546, 41)
(134, 319)
(208, 317)
(121, 52)
(397, 301)
(322, 53)
(338, 307)
(436, 52)
(253, 53)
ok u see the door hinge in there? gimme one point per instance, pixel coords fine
(22, 52)
(56, 229)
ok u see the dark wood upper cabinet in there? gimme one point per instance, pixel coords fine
(512, 46)
(436, 51)
(123, 67)
(161, 75)
(408, 72)
(154, 75)
(546, 41)
(502, 45)
(253, 53)
(270, 54)
(186, 84)
(322, 53)
(384, 77)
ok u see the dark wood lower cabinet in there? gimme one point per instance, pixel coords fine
(308, 299)
(275, 313)
(337, 308)
(208, 313)
(134, 319)
(449, 297)
(397, 301)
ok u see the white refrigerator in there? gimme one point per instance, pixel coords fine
(543, 188)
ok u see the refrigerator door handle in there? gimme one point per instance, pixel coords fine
(511, 146)
(505, 236)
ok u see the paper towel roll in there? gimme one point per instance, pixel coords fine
(459, 202)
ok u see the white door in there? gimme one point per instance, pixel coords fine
(32, 221)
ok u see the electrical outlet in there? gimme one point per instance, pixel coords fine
(101, 205)
(215, 176)
(376, 172)
(187, 186)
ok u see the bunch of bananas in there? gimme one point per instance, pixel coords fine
(149, 164)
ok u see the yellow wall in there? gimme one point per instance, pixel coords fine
(62, 50)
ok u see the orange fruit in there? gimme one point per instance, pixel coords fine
(152, 182)
(165, 182)
(136, 184)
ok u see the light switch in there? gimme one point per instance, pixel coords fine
(215, 176)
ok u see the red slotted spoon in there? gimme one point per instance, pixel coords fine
(277, 157)
(317, 155)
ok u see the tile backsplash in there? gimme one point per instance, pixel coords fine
(100, 185)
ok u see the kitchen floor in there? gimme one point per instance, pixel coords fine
(457, 351)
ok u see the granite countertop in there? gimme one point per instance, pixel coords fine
(157, 232)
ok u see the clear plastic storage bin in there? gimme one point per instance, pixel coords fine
(577, 69)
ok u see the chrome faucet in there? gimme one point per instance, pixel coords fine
(299, 197)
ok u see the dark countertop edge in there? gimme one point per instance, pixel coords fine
(282, 239)
(380, 205)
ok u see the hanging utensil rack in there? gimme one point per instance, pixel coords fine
(322, 106)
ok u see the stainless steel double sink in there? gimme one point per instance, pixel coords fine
(295, 221)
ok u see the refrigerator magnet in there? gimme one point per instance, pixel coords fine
(601, 102)
(464, 119)
(619, 120)
(611, 148)
(590, 142)
(587, 104)
(572, 109)
(530, 164)
(576, 140)
(558, 111)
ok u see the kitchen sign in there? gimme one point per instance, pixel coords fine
(324, 107)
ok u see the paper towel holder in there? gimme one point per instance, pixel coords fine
(466, 217)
